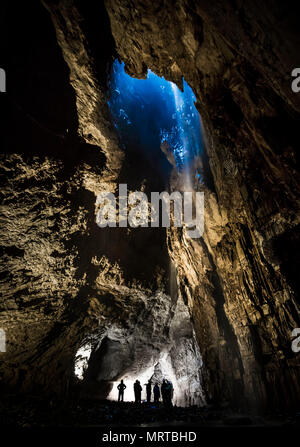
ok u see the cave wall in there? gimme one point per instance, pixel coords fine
(47, 213)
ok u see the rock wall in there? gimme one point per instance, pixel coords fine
(47, 211)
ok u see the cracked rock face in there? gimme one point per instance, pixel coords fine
(213, 314)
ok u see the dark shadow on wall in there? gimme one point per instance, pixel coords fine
(232, 390)
(287, 248)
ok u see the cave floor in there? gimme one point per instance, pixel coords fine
(32, 411)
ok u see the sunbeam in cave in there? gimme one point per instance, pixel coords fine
(153, 114)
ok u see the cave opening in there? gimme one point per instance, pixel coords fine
(160, 132)
(154, 116)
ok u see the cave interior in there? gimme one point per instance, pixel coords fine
(160, 96)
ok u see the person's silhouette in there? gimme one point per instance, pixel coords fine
(169, 393)
(121, 388)
(137, 391)
(148, 391)
(163, 391)
(156, 392)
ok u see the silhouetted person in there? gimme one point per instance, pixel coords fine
(163, 391)
(148, 391)
(156, 392)
(121, 388)
(169, 394)
(137, 391)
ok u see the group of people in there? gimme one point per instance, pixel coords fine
(165, 391)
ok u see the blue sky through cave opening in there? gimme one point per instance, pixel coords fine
(147, 112)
